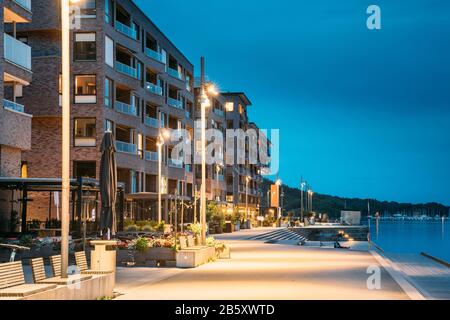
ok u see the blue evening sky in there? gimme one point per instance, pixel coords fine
(361, 113)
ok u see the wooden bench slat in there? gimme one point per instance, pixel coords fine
(11, 274)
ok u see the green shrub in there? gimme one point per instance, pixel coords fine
(210, 241)
(160, 226)
(195, 228)
(147, 228)
(131, 227)
(128, 222)
(139, 244)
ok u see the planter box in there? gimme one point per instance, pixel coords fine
(166, 254)
(194, 258)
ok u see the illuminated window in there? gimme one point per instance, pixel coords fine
(85, 89)
(229, 106)
(84, 132)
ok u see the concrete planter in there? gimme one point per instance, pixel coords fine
(166, 254)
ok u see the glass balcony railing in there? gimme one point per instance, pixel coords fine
(126, 147)
(151, 122)
(126, 69)
(126, 30)
(151, 156)
(24, 3)
(154, 55)
(175, 163)
(220, 177)
(174, 73)
(187, 114)
(126, 108)
(153, 88)
(219, 112)
(13, 106)
(188, 168)
(17, 52)
(175, 103)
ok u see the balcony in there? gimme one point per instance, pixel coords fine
(188, 168)
(187, 114)
(175, 163)
(126, 30)
(151, 156)
(17, 52)
(26, 4)
(126, 108)
(151, 122)
(220, 177)
(219, 112)
(153, 88)
(174, 73)
(126, 69)
(154, 55)
(13, 106)
(175, 103)
(126, 147)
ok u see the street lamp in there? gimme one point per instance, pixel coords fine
(163, 134)
(65, 151)
(205, 90)
(247, 181)
(218, 168)
(302, 186)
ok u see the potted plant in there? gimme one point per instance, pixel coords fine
(137, 249)
(196, 229)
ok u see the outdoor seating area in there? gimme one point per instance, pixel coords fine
(78, 285)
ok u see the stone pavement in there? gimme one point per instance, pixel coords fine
(259, 270)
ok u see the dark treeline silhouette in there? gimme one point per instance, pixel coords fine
(333, 205)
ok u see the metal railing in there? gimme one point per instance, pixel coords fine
(126, 147)
(153, 88)
(17, 52)
(13, 106)
(126, 30)
(151, 122)
(126, 69)
(154, 55)
(151, 156)
(174, 73)
(175, 103)
(126, 108)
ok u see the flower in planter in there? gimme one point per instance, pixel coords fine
(210, 241)
(195, 228)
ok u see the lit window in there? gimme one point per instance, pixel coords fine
(85, 132)
(229, 106)
(85, 47)
(85, 89)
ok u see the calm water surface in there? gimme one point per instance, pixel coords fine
(413, 237)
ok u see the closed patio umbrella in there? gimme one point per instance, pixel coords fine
(108, 184)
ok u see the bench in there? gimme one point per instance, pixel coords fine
(55, 262)
(12, 282)
(80, 260)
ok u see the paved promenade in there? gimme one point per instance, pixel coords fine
(260, 270)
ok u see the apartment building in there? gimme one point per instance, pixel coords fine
(215, 173)
(127, 77)
(242, 180)
(15, 124)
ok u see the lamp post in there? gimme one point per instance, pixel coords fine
(218, 167)
(160, 144)
(278, 183)
(302, 186)
(204, 103)
(247, 181)
(65, 150)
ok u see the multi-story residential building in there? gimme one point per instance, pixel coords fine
(127, 77)
(215, 173)
(242, 179)
(15, 124)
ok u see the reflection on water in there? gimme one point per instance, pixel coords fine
(412, 237)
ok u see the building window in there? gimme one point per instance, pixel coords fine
(84, 169)
(85, 47)
(85, 132)
(85, 89)
(229, 106)
(24, 170)
(109, 52)
(107, 11)
(109, 125)
(88, 8)
(108, 93)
